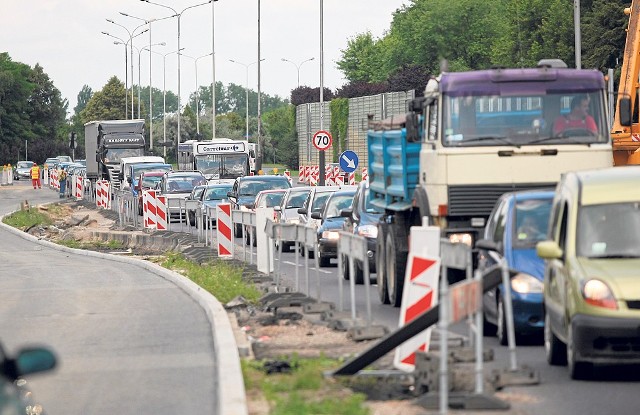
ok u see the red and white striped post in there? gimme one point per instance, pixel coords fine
(161, 213)
(224, 233)
(149, 209)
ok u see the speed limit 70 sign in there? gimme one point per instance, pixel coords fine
(322, 140)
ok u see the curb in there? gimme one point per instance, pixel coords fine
(231, 392)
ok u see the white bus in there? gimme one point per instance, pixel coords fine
(221, 159)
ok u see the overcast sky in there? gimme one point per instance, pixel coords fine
(64, 37)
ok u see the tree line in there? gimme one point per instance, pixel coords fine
(467, 34)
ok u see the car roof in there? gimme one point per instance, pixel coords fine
(542, 193)
(610, 185)
(183, 173)
(263, 177)
(153, 173)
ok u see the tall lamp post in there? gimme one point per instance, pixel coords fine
(297, 66)
(139, 77)
(179, 15)
(213, 71)
(131, 33)
(246, 91)
(150, 82)
(195, 60)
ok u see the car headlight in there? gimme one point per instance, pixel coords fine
(332, 235)
(463, 238)
(526, 284)
(368, 231)
(597, 293)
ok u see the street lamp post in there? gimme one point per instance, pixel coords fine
(213, 72)
(131, 33)
(297, 66)
(195, 60)
(246, 91)
(179, 15)
(139, 81)
(150, 81)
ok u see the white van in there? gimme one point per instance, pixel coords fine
(125, 171)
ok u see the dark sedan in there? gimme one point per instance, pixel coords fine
(332, 224)
(362, 219)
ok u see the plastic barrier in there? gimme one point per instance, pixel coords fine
(365, 174)
(161, 213)
(301, 171)
(79, 188)
(149, 209)
(224, 234)
(103, 198)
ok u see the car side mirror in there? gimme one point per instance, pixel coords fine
(316, 215)
(230, 195)
(346, 213)
(302, 211)
(277, 209)
(129, 180)
(549, 250)
(487, 244)
(625, 111)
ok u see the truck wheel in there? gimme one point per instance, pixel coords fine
(383, 293)
(396, 258)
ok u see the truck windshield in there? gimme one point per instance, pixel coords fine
(113, 155)
(227, 166)
(532, 119)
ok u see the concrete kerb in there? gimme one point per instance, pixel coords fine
(231, 397)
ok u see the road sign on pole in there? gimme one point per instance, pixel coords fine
(348, 161)
(322, 140)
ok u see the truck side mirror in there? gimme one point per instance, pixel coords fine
(624, 107)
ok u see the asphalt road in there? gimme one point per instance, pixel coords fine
(129, 341)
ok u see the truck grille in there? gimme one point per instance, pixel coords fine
(478, 200)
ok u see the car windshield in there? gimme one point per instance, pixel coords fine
(184, 184)
(368, 207)
(225, 166)
(319, 202)
(24, 164)
(270, 199)
(113, 155)
(150, 167)
(151, 181)
(531, 220)
(609, 231)
(296, 199)
(217, 193)
(336, 204)
(253, 187)
(532, 119)
(197, 192)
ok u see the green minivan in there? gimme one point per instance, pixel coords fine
(592, 270)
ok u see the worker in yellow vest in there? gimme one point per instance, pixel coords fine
(35, 176)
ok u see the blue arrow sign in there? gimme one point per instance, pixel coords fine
(348, 161)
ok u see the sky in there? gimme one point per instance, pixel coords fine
(65, 38)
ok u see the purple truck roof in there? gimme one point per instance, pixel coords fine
(529, 81)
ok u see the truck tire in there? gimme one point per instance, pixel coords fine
(396, 259)
(383, 293)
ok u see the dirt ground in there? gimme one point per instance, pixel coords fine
(269, 334)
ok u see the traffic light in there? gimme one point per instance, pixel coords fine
(72, 140)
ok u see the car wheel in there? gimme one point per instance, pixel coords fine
(554, 349)
(323, 261)
(345, 268)
(381, 281)
(396, 259)
(359, 273)
(501, 326)
(577, 369)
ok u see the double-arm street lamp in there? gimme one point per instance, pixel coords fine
(297, 66)
(179, 15)
(148, 47)
(147, 21)
(197, 96)
(131, 35)
(246, 91)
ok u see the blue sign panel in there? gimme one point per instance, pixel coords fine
(349, 161)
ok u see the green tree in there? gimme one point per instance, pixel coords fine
(603, 29)
(280, 128)
(106, 104)
(159, 97)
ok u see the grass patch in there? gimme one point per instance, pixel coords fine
(27, 218)
(303, 390)
(220, 278)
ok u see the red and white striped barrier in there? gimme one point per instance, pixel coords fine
(79, 189)
(224, 233)
(328, 176)
(365, 174)
(149, 209)
(352, 178)
(55, 184)
(161, 213)
(301, 171)
(287, 173)
(103, 198)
